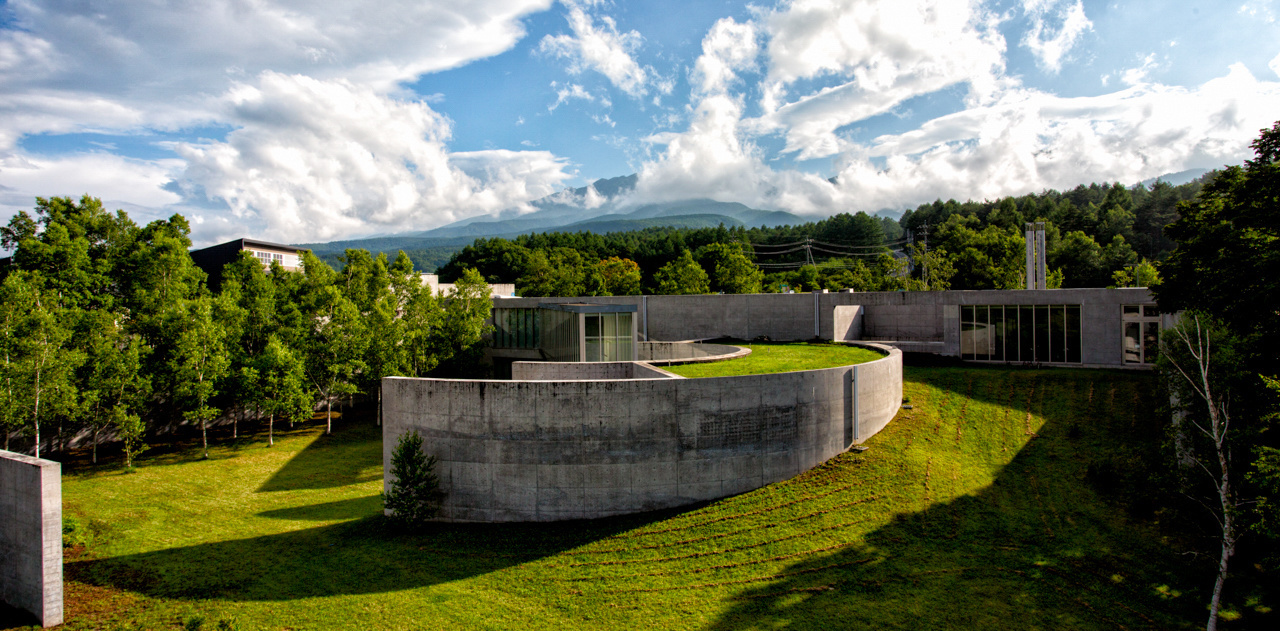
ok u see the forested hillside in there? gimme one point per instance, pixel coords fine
(1097, 236)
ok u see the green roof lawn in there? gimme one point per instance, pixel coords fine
(774, 358)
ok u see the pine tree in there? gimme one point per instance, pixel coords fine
(414, 496)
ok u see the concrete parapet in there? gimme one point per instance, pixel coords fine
(686, 353)
(596, 371)
(553, 450)
(31, 535)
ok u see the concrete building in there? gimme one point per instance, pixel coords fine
(213, 258)
(497, 290)
(1081, 327)
(577, 433)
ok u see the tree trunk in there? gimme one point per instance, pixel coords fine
(35, 414)
(204, 437)
(271, 427)
(328, 415)
(95, 444)
(379, 404)
(1228, 548)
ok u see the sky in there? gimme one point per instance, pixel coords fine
(315, 120)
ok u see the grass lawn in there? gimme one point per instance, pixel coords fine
(974, 510)
(773, 358)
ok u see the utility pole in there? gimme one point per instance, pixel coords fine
(808, 252)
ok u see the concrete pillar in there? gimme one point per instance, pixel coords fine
(31, 535)
(1031, 260)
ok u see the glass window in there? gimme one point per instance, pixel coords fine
(1026, 334)
(1150, 311)
(981, 333)
(1042, 333)
(1132, 310)
(997, 333)
(1057, 333)
(1073, 334)
(1150, 342)
(593, 326)
(1132, 352)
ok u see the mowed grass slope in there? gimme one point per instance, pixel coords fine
(970, 511)
(774, 358)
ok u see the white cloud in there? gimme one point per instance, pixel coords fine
(77, 66)
(1029, 140)
(324, 159)
(566, 92)
(873, 56)
(137, 186)
(1139, 74)
(600, 47)
(1051, 45)
(1274, 65)
(728, 48)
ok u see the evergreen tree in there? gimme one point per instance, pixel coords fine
(414, 494)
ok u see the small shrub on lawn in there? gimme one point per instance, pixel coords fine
(415, 492)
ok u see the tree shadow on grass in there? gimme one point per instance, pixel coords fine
(1047, 545)
(346, 457)
(364, 556)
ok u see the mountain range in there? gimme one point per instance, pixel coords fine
(600, 208)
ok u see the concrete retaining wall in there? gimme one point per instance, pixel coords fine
(31, 535)
(546, 451)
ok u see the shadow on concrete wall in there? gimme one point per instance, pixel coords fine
(1047, 545)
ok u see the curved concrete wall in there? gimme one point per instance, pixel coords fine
(552, 450)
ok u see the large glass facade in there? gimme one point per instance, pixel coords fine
(1141, 333)
(608, 337)
(560, 335)
(1020, 333)
(516, 328)
(590, 333)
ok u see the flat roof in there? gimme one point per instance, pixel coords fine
(581, 307)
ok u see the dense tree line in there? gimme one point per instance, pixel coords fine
(108, 327)
(1096, 236)
(1222, 367)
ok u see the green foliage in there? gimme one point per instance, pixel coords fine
(732, 272)
(414, 495)
(131, 430)
(621, 277)
(39, 363)
(459, 336)
(682, 276)
(559, 272)
(200, 362)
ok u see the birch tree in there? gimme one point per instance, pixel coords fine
(200, 361)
